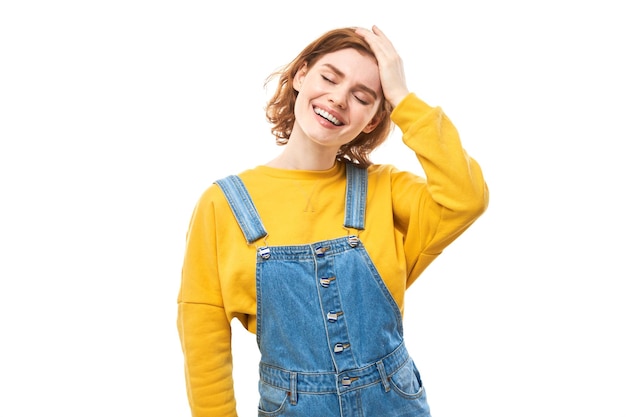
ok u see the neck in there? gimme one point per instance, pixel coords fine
(310, 159)
(305, 164)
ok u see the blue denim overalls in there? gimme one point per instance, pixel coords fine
(329, 332)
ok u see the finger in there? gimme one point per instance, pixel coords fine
(377, 40)
(376, 30)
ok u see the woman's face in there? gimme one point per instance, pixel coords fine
(337, 98)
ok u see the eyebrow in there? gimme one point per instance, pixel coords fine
(359, 85)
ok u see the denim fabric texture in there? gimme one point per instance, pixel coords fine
(329, 332)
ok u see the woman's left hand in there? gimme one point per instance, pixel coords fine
(390, 64)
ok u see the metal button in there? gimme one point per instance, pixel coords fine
(353, 241)
(264, 252)
(325, 282)
(320, 250)
(346, 381)
(332, 316)
(340, 347)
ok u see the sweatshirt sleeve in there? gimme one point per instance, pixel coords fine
(433, 212)
(203, 325)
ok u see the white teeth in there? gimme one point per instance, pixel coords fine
(327, 116)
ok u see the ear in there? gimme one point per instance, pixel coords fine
(372, 124)
(298, 79)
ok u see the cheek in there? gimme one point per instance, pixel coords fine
(368, 116)
(312, 89)
(301, 107)
(300, 102)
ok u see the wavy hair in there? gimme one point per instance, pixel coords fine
(280, 108)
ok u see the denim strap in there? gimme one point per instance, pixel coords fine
(243, 208)
(356, 195)
(250, 222)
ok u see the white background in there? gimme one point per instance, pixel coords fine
(116, 115)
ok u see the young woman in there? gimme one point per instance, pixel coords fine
(313, 251)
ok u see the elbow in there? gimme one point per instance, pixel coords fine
(478, 203)
(473, 205)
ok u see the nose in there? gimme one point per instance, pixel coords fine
(338, 97)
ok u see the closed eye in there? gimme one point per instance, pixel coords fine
(360, 100)
(356, 96)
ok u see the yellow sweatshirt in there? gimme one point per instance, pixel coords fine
(408, 222)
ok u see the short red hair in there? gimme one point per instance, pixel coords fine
(280, 108)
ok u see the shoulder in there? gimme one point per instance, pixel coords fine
(388, 179)
(213, 194)
(390, 172)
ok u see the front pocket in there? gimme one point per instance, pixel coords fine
(407, 382)
(272, 400)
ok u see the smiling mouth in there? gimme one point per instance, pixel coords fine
(327, 116)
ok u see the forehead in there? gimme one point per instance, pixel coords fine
(354, 65)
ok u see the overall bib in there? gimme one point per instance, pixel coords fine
(329, 332)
